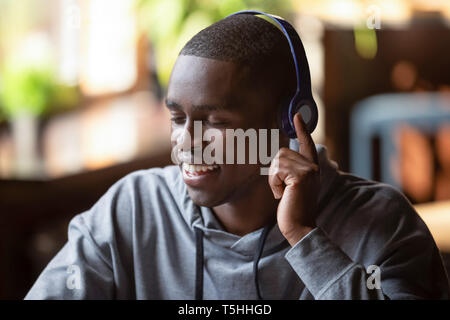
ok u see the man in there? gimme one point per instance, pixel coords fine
(224, 231)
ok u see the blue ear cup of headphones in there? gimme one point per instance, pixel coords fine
(303, 100)
(308, 110)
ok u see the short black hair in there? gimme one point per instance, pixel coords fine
(250, 41)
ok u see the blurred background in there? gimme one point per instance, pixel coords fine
(82, 84)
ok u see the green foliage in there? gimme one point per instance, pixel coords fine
(33, 90)
(26, 91)
(171, 23)
(365, 42)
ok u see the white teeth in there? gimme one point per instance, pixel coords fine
(192, 168)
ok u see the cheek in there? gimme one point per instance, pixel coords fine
(176, 134)
(214, 146)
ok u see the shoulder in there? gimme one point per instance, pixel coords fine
(134, 201)
(372, 214)
(377, 199)
(145, 184)
(160, 176)
(145, 190)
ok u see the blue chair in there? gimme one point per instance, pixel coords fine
(379, 116)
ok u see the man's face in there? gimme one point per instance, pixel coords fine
(217, 94)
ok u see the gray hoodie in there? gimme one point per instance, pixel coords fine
(141, 241)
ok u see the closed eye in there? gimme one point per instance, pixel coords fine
(216, 123)
(178, 120)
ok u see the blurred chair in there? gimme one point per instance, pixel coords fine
(379, 118)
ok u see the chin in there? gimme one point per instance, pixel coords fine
(204, 198)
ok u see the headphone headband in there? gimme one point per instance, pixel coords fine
(303, 92)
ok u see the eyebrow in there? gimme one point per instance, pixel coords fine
(204, 107)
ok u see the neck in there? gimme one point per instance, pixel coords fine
(250, 211)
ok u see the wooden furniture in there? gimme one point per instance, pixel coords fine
(436, 216)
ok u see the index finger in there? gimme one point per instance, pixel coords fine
(307, 146)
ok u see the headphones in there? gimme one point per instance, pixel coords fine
(302, 101)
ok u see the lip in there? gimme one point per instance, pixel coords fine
(200, 179)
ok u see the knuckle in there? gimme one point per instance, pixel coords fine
(273, 171)
(283, 151)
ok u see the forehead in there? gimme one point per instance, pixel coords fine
(199, 81)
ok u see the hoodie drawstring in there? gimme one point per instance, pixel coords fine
(200, 261)
(199, 264)
(257, 257)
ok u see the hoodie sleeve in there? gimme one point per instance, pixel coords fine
(94, 261)
(78, 271)
(401, 258)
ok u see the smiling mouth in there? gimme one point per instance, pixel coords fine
(197, 170)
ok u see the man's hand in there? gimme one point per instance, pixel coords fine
(294, 178)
